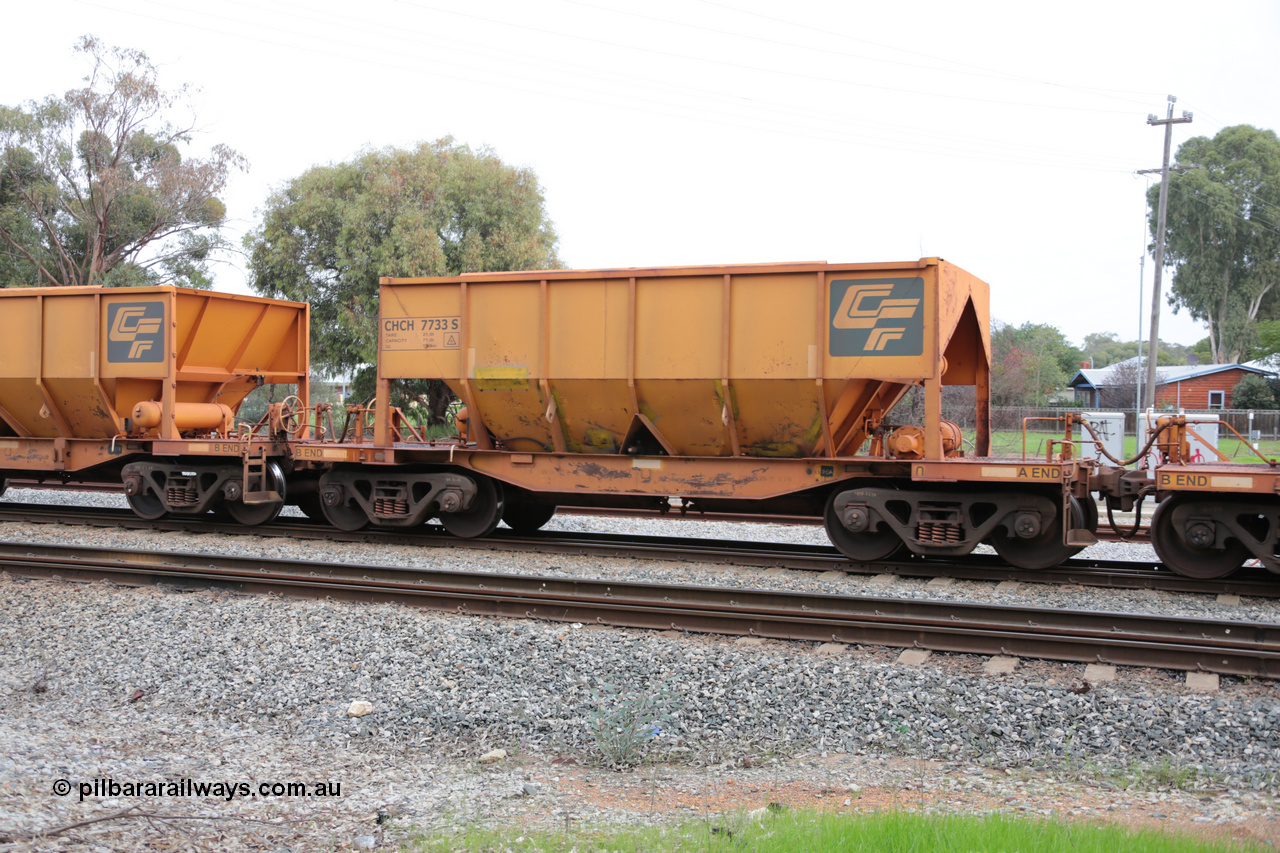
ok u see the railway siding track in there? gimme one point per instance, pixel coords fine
(1115, 574)
(1233, 648)
(1105, 533)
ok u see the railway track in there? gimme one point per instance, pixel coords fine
(1233, 648)
(1116, 574)
(1104, 533)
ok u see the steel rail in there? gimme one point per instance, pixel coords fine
(1104, 533)
(1235, 648)
(1111, 574)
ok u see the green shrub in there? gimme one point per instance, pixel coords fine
(1252, 392)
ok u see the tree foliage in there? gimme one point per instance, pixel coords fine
(94, 188)
(1029, 363)
(1266, 341)
(1103, 349)
(439, 209)
(1223, 234)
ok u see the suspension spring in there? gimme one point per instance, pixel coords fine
(940, 532)
(390, 507)
(181, 496)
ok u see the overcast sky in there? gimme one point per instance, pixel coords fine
(1004, 137)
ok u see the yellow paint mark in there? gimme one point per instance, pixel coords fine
(502, 376)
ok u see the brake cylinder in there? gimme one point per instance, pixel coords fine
(186, 416)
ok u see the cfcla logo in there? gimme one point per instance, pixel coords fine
(877, 317)
(865, 304)
(136, 331)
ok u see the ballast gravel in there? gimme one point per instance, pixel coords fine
(1056, 596)
(154, 685)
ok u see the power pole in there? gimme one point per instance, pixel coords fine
(1153, 346)
(1137, 401)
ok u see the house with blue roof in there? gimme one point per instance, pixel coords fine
(1178, 386)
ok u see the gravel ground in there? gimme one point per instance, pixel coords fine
(153, 685)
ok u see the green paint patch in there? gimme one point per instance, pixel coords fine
(733, 398)
(814, 432)
(779, 449)
(600, 441)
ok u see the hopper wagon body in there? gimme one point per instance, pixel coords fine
(763, 389)
(142, 385)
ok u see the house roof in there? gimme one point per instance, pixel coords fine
(1098, 377)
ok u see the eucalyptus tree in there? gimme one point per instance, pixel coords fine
(95, 188)
(1223, 234)
(442, 208)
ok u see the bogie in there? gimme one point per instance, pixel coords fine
(157, 488)
(467, 504)
(872, 521)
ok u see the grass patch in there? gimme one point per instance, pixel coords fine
(1009, 443)
(624, 722)
(882, 832)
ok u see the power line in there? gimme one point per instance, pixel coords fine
(1092, 90)
(964, 68)
(1196, 195)
(742, 66)
(899, 139)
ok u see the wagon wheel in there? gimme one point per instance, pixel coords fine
(143, 499)
(147, 505)
(1042, 551)
(1181, 556)
(859, 547)
(1090, 508)
(486, 511)
(338, 508)
(252, 515)
(526, 516)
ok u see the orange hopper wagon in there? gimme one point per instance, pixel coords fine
(142, 385)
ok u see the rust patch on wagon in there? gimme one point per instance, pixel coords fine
(599, 472)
